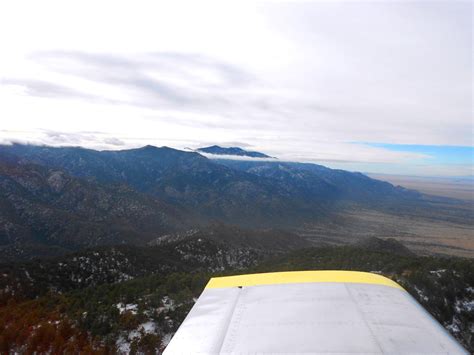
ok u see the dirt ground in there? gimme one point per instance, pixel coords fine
(425, 236)
(446, 187)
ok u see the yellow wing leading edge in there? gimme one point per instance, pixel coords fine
(289, 277)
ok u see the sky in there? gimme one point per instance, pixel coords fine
(373, 86)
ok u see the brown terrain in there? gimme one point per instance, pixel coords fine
(446, 187)
(425, 234)
(422, 235)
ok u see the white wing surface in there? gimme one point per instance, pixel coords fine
(309, 312)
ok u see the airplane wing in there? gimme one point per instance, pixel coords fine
(309, 312)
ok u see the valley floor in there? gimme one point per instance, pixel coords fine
(423, 235)
(462, 189)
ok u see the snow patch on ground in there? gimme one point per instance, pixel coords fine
(168, 305)
(438, 272)
(454, 326)
(421, 294)
(464, 305)
(127, 307)
(123, 346)
(148, 327)
(28, 276)
(124, 341)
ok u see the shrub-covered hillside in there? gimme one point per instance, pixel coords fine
(140, 315)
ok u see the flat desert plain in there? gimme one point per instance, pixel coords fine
(446, 228)
(459, 188)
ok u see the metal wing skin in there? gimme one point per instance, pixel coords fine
(309, 312)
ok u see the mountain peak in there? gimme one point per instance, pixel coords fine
(218, 150)
(152, 148)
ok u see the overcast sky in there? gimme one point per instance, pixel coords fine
(376, 86)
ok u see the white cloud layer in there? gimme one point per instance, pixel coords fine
(297, 80)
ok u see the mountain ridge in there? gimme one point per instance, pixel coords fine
(43, 208)
(57, 200)
(237, 151)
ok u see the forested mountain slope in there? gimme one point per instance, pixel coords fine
(237, 192)
(45, 211)
(57, 200)
(142, 311)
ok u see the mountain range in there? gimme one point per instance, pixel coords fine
(235, 151)
(57, 200)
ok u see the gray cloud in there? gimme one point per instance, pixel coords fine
(169, 81)
(69, 138)
(114, 141)
(94, 139)
(134, 69)
(150, 80)
(47, 89)
(300, 81)
(180, 63)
